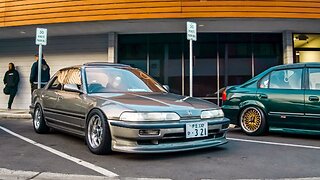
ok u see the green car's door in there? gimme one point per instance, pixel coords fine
(312, 100)
(282, 95)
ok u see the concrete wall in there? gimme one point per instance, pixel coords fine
(60, 52)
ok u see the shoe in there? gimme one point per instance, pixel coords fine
(9, 109)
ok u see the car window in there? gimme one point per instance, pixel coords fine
(314, 78)
(264, 82)
(103, 79)
(55, 85)
(286, 79)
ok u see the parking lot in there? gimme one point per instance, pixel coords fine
(275, 156)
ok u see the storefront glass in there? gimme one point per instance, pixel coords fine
(227, 58)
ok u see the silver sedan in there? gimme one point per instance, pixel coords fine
(120, 108)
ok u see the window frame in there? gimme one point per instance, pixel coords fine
(307, 78)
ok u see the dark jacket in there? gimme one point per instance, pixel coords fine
(45, 72)
(11, 78)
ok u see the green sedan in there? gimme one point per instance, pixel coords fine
(283, 98)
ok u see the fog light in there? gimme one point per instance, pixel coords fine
(149, 132)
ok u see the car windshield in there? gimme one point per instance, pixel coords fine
(112, 79)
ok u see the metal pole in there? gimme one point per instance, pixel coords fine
(182, 72)
(39, 66)
(191, 70)
(218, 79)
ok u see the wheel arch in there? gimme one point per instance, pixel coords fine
(251, 103)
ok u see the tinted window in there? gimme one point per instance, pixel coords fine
(286, 79)
(314, 78)
(264, 82)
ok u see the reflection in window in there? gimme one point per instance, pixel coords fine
(264, 83)
(314, 78)
(286, 79)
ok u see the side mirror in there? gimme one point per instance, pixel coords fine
(166, 87)
(72, 88)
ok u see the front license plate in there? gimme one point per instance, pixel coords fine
(198, 129)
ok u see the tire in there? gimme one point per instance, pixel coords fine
(253, 121)
(39, 123)
(98, 137)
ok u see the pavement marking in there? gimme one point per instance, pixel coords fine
(28, 175)
(88, 165)
(274, 143)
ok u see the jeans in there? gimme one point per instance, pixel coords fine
(13, 92)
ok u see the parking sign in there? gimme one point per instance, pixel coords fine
(41, 36)
(192, 31)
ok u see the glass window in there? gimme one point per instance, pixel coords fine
(314, 78)
(264, 82)
(104, 80)
(286, 79)
(56, 85)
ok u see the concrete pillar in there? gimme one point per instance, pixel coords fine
(112, 47)
(287, 47)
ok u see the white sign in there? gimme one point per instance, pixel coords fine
(192, 31)
(41, 37)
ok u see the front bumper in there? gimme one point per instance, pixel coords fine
(172, 138)
(31, 110)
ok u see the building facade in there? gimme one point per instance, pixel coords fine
(236, 39)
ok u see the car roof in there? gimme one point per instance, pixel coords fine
(297, 65)
(95, 64)
(105, 64)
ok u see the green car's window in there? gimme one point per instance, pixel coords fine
(264, 83)
(314, 78)
(286, 79)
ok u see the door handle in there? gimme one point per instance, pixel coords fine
(313, 98)
(263, 96)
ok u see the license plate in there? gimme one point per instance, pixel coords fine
(198, 129)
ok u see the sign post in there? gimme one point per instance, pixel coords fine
(191, 36)
(41, 39)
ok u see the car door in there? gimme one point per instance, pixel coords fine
(282, 95)
(71, 105)
(50, 98)
(312, 100)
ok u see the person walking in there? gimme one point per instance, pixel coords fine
(11, 80)
(45, 73)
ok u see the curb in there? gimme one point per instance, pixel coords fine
(15, 114)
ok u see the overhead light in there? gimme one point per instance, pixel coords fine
(22, 32)
(201, 25)
(302, 37)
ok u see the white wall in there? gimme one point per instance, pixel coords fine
(60, 52)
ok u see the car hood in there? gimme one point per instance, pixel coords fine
(183, 105)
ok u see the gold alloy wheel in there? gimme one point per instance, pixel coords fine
(251, 119)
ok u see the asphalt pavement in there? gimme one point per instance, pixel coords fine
(276, 156)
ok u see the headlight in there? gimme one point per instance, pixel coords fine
(218, 113)
(152, 116)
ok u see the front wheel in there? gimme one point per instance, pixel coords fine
(97, 134)
(253, 121)
(39, 124)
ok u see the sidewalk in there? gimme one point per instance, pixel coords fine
(15, 113)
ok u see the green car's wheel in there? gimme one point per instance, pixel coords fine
(39, 124)
(253, 121)
(97, 134)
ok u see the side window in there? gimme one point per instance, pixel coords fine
(55, 85)
(72, 76)
(264, 82)
(286, 79)
(314, 78)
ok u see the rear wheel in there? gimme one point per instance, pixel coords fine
(253, 121)
(39, 124)
(98, 136)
